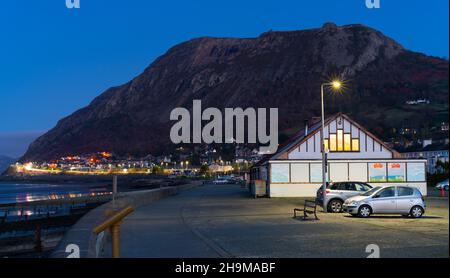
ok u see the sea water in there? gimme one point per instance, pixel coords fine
(27, 193)
(24, 193)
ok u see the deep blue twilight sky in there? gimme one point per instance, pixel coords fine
(54, 60)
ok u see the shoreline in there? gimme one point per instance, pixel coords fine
(75, 179)
(126, 183)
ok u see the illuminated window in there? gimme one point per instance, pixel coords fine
(355, 145)
(340, 140)
(347, 142)
(326, 144)
(333, 142)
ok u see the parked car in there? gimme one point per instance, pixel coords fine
(338, 192)
(442, 184)
(222, 180)
(407, 201)
(237, 179)
(172, 176)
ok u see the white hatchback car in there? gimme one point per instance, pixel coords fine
(407, 201)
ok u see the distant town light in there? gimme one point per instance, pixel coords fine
(29, 166)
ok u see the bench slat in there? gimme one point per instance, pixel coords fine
(309, 207)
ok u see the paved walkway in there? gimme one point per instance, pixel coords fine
(223, 221)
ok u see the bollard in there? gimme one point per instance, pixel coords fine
(114, 189)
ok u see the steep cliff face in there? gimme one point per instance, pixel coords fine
(277, 69)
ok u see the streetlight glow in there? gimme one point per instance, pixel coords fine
(336, 84)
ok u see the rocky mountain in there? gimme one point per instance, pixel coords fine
(276, 69)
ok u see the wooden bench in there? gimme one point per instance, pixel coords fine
(310, 207)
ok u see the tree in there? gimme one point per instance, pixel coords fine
(157, 169)
(204, 169)
(442, 167)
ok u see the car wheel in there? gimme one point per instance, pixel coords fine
(416, 212)
(364, 211)
(335, 206)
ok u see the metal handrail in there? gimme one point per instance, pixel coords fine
(113, 224)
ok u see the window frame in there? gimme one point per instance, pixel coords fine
(370, 172)
(404, 187)
(347, 137)
(333, 142)
(389, 169)
(358, 149)
(385, 189)
(362, 186)
(340, 140)
(288, 173)
(349, 186)
(336, 141)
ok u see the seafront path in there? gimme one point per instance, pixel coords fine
(225, 221)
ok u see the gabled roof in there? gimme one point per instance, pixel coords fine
(294, 140)
(301, 137)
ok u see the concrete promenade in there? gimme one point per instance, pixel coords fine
(223, 221)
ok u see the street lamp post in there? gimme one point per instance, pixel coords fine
(324, 163)
(336, 85)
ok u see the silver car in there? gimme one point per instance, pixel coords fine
(222, 180)
(407, 201)
(442, 185)
(338, 192)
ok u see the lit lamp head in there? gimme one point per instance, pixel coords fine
(336, 84)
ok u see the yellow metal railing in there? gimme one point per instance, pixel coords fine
(113, 224)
